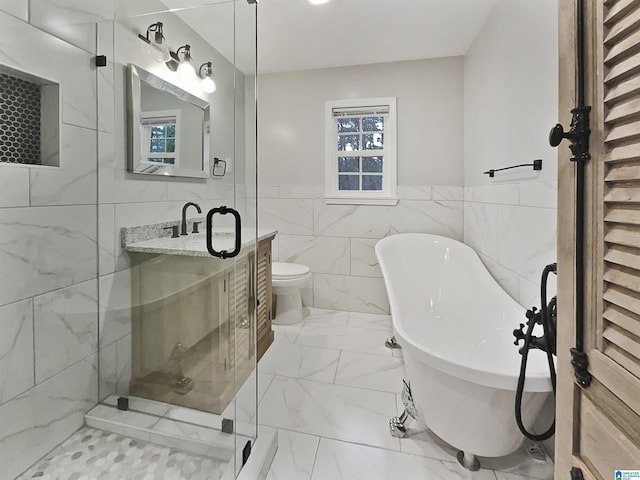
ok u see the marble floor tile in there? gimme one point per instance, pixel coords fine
(513, 476)
(325, 316)
(333, 411)
(300, 361)
(286, 333)
(352, 339)
(373, 372)
(295, 456)
(339, 460)
(521, 463)
(370, 320)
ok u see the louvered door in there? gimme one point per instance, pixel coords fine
(265, 332)
(599, 426)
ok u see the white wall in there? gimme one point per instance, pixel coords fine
(511, 98)
(337, 241)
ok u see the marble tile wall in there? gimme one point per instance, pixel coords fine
(513, 228)
(48, 253)
(337, 241)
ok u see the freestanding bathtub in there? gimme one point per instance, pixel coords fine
(455, 323)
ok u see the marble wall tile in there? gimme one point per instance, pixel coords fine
(529, 292)
(363, 221)
(526, 239)
(114, 186)
(321, 254)
(268, 191)
(108, 370)
(123, 365)
(74, 181)
(115, 306)
(17, 8)
(14, 186)
(364, 262)
(107, 238)
(301, 191)
(481, 228)
(33, 50)
(415, 192)
(46, 248)
(16, 349)
(287, 216)
(65, 327)
(539, 194)
(35, 422)
(508, 280)
(73, 20)
(439, 218)
(105, 80)
(192, 191)
(504, 194)
(446, 192)
(356, 294)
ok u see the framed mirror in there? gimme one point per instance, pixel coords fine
(168, 128)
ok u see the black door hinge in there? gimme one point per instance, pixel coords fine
(101, 61)
(246, 451)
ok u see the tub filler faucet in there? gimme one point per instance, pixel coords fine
(183, 228)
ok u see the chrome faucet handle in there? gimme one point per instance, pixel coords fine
(174, 231)
(195, 227)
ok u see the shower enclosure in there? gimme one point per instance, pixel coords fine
(157, 347)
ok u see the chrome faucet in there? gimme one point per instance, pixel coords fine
(183, 229)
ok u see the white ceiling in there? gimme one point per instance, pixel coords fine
(294, 35)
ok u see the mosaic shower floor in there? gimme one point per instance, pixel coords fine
(91, 454)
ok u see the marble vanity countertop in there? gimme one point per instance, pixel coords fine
(195, 245)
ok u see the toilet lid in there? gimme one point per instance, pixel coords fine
(288, 270)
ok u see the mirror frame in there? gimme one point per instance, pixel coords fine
(136, 75)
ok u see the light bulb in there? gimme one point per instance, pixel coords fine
(186, 69)
(208, 84)
(317, 2)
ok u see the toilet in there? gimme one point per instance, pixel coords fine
(287, 281)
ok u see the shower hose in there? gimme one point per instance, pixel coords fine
(547, 312)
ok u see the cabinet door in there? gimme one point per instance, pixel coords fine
(599, 425)
(265, 332)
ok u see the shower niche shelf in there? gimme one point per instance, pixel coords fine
(29, 119)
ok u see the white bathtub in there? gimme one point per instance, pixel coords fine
(455, 324)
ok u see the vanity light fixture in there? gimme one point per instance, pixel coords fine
(157, 41)
(208, 83)
(183, 66)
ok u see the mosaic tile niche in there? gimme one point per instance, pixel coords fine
(29, 119)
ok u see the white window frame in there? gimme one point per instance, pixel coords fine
(145, 137)
(388, 195)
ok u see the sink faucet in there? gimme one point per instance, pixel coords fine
(183, 229)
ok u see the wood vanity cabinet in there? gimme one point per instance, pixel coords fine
(198, 324)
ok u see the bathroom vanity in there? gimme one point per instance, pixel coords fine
(193, 316)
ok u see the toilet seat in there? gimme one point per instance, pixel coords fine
(288, 271)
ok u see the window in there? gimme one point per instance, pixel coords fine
(361, 151)
(159, 136)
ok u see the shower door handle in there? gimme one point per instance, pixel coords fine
(223, 210)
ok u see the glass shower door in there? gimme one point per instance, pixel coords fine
(177, 325)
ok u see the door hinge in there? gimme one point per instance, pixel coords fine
(576, 474)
